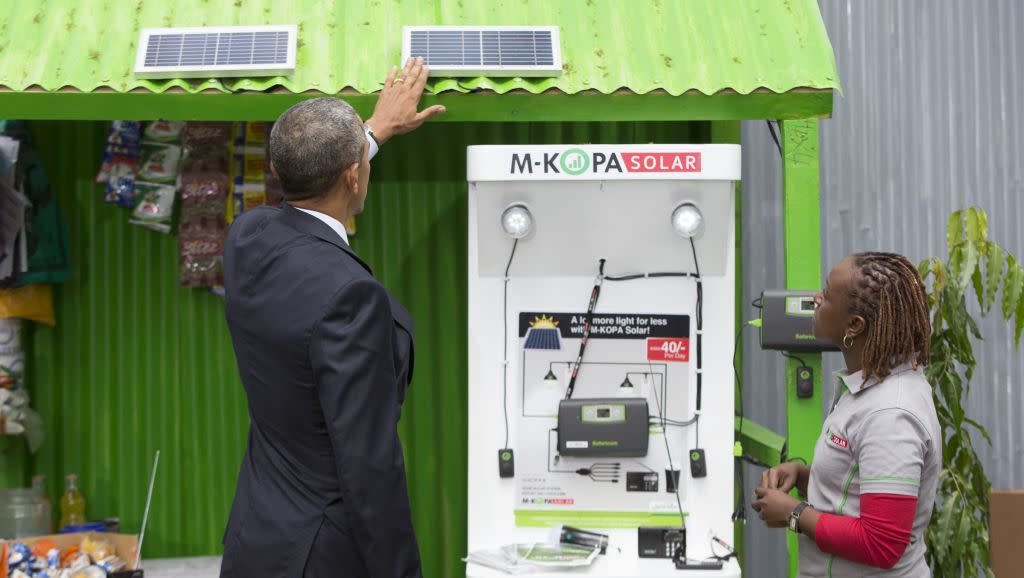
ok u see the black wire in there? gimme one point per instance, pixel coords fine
(740, 513)
(700, 327)
(674, 423)
(696, 265)
(595, 294)
(632, 276)
(775, 137)
(601, 472)
(671, 466)
(549, 456)
(504, 376)
(736, 371)
(714, 556)
(797, 359)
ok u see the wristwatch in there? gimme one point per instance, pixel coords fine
(794, 518)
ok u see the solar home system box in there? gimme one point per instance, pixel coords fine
(598, 451)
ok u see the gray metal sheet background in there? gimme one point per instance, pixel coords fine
(931, 120)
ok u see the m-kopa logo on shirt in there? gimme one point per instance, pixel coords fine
(838, 441)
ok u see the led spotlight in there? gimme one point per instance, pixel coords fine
(687, 220)
(517, 221)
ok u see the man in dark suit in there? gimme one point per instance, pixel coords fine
(325, 354)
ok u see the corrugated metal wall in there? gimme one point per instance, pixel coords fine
(932, 120)
(137, 364)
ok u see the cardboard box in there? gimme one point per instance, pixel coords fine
(1005, 528)
(125, 548)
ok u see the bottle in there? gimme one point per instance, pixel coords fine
(39, 487)
(72, 503)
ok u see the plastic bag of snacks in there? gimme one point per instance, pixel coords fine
(201, 244)
(155, 208)
(92, 559)
(164, 131)
(249, 164)
(205, 184)
(120, 162)
(200, 134)
(160, 162)
(205, 189)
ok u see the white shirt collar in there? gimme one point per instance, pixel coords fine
(855, 381)
(330, 221)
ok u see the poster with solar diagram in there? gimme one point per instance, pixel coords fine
(629, 356)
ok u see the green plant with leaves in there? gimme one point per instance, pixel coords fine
(957, 538)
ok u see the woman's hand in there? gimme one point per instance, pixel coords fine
(785, 477)
(774, 506)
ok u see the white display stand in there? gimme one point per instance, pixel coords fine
(586, 207)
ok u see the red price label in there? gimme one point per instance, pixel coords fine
(668, 349)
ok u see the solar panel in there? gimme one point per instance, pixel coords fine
(543, 338)
(485, 50)
(216, 51)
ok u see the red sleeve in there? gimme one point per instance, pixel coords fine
(877, 538)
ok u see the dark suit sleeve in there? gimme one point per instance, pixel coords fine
(353, 363)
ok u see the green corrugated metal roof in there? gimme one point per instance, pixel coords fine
(608, 45)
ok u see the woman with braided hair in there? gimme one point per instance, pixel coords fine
(871, 486)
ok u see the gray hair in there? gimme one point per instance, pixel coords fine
(313, 143)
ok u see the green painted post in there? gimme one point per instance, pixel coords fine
(802, 244)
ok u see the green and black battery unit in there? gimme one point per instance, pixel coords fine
(603, 427)
(787, 322)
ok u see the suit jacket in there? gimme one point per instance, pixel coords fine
(325, 354)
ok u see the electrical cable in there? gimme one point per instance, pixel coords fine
(700, 337)
(739, 380)
(671, 466)
(714, 556)
(674, 423)
(633, 276)
(700, 328)
(504, 317)
(796, 359)
(594, 295)
(606, 472)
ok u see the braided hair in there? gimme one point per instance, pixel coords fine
(889, 294)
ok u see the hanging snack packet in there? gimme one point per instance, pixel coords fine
(123, 138)
(155, 208)
(164, 130)
(201, 245)
(205, 185)
(160, 162)
(126, 133)
(256, 134)
(200, 134)
(254, 188)
(120, 187)
(205, 189)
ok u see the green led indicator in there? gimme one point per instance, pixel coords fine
(506, 456)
